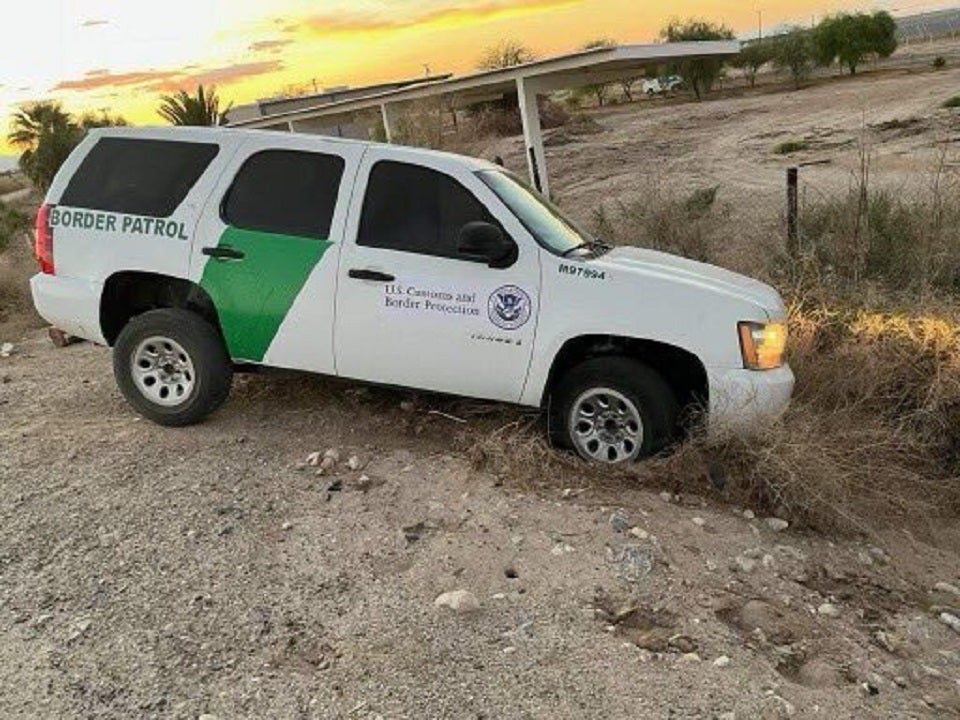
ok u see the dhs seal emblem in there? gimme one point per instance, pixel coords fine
(509, 307)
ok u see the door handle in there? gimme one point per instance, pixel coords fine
(224, 252)
(374, 275)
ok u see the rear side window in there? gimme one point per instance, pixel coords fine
(286, 192)
(415, 209)
(137, 176)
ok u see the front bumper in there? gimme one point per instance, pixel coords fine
(69, 304)
(745, 400)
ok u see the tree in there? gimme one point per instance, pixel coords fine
(753, 57)
(201, 109)
(851, 38)
(507, 53)
(599, 90)
(794, 51)
(46, 134)
(700, 73)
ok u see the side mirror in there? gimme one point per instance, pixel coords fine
(485, 242)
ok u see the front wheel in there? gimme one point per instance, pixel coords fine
(172, 367)
(613, 410)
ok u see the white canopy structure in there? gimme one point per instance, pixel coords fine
(528, 81)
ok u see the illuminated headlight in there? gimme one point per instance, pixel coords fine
(762, 345)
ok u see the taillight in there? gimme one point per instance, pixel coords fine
(43, 240)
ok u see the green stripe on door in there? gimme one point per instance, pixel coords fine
(254, 295)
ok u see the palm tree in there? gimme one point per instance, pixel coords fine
(200, 109)
(46, 135)
(32, 122)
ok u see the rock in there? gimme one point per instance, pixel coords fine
(776, 524)
(207, 716)
(828, 610)
(682, 644)
(690, 657)
(699, 522)
(947, 589)
(79, 630)
(364, 483)
(951, 621)
(509, 650)
(313, 459)
(327, 463)
(354, 463)
(620, 522)
(748, 515)
(666, 497)
(721, 662)
(6, 350)
(287, 526)
(884, 640)
(819, 674)
(743, 564)
(333, 454)
(460, 601)
(639, 533)
(633, 562)
(334, 485)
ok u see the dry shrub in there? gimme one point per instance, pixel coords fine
(690, 225)
(870, 441)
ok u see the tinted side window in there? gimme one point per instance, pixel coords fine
(138, 177)
(415, 209)
(287, 192)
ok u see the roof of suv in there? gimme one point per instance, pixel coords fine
(208, 134)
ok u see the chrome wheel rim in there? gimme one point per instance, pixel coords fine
(605, 426)
(163, 371)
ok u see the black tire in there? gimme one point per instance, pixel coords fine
(212, 373)
(644, 387)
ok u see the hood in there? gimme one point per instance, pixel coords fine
(708, 277)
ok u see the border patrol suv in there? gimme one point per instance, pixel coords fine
(195, 250)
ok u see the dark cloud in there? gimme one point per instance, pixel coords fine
(169, 80)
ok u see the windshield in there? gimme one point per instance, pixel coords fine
(542, 219)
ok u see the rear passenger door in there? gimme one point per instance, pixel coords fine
(266, 250)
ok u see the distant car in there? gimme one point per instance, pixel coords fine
(661, 86)
(192, 251)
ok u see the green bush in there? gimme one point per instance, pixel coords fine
(902, 242)
(939, 62)
(953, 102)
(791, 146)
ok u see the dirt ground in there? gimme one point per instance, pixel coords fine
(211, 572)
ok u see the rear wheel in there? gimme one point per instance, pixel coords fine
(171, 365)
(613, 410)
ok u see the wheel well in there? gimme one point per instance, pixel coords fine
(681, 369)
(128, 294)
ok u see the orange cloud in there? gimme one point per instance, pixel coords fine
(347, 23)
(170, 80)
(269, 46)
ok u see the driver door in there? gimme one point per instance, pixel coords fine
(411, 310)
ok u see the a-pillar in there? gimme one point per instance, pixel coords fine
(533, 135)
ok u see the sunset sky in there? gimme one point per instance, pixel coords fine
(120, 55)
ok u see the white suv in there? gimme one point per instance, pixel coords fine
(192, 251)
